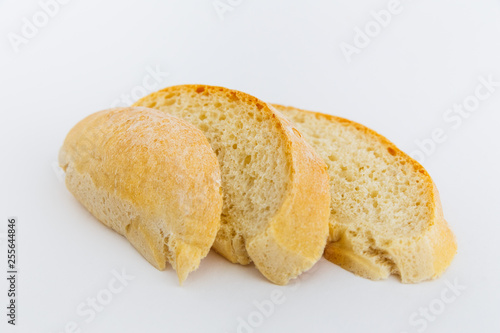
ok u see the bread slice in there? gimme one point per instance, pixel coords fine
(151, 177)
(276, 197)
(385, 216)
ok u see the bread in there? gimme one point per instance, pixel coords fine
(276, 197)
(152, 178)
(386, 217)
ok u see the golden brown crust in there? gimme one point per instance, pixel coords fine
(151, 177)
(436, 247)
(295, 237)
(300, 227)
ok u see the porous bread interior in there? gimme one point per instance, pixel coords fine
(251, 151)
(376, 195)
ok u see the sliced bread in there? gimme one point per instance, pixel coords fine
(276, 193)
(151, 177)
(385, 214)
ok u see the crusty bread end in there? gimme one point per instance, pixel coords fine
(386, 216)
(152, 178)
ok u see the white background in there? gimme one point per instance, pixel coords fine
(426, 59)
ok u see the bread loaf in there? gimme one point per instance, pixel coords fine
(151, 177)
(276, 193)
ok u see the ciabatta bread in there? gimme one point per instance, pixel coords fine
(276, 194)
(386, 216)
(152, 178)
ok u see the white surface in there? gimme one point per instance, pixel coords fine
(428, 58)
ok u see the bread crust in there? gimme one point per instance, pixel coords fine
(152, 178)
(295, 236)
(434, 248)
(299, 229)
